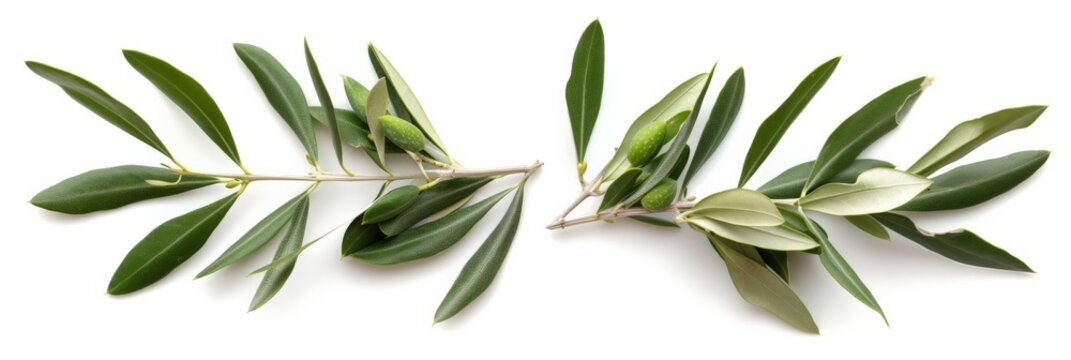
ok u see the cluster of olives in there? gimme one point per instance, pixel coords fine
(643, 155)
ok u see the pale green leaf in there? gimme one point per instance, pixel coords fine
(378, 100)
(971, 134)
(739, 207)
(406, 99)
(760, 286)
(876, 190)
(766, 237)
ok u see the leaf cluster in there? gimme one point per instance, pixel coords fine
(424, 216)
(754, 231)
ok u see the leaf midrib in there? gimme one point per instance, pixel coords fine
(584, 94)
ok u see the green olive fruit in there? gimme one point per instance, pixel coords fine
(402, 133)
(673, 125)
(646, 143)
(660, 196)
(390, 204)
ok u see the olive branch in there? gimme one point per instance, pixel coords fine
(419, 219)
(754, 231)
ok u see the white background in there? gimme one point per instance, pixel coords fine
(492, 78)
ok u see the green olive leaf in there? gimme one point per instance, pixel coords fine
(190, 96)
(400, 90)
(325, 101)
(391, 204)
(482, 267)
(876, 190)
(678, 167)
(683, 97)
(971, 134)
(357, 95)
(777, 261)
(282, 260)
(359, 235)
(767, 237)
(721, 119)
(839, 269)
(620, 188)
(257, 236)
(283, 93)
(354, 131)
(651, 220)
(869, 225)
(432, 200)
(774, 127)
(449, 209)
(789, 184)
(99, 102)
(583, 91)
(274, 278)
(975, 183)
(428, 239)
(676, 147)
(739, 207)
(959, 245)
(378, 100)
(168, 246)
(864, 127)
(110, 188)
(760, 286)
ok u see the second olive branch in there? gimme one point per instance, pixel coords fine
(753, 231)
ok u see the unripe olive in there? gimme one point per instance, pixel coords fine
(660, 196)
(673, 125)
(390, 204)
(402, 133)
(646, 143)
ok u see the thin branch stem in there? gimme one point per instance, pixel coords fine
(431, 174)
(588, 189)
(584, 195)
(610, 215)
